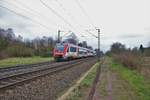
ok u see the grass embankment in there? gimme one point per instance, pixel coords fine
(86, 83)
(21, 60)
(136, 81)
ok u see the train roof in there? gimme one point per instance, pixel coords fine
(74, 46)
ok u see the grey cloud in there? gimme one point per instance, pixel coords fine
(3, 13)
(131, 35)
(10, 20)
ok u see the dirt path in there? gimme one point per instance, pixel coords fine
(95, 82)
(111, 86)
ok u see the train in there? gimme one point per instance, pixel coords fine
(67, 51)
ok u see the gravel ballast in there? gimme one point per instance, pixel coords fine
(48, 87)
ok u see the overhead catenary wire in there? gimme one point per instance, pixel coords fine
(26, 17)
(23, 16)
(65, 10)
(28, 13)
(68, 13)
(34, 11)
(45, 18)
(87, 16)
(57, 14)
(84, 12)
(91, 34)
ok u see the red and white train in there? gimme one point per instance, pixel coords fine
(66, 51)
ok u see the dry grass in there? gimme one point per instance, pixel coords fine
(145, 70)
(134, 62)
(131, 60)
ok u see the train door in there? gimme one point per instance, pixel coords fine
(73, 52)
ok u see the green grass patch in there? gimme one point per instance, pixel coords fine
(136, 81)
(75, 95)
(88, 80)
(78, 93)
(21, 60)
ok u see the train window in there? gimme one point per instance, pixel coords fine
(72, 49)
(81, 51)
(60, 48)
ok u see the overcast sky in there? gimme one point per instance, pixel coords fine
(126, 21)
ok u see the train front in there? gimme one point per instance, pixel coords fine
(59, 52)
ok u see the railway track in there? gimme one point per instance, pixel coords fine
(11, 80)
(19, 67)
(23, 68)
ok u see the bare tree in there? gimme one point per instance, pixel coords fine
(117, 48)
(149, 44)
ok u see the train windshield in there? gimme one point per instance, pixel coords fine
(60, 48)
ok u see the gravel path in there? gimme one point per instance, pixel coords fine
(48, 87)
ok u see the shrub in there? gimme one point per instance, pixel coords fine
(147, 52)
(19, 51)
(3, 55)
(129, 59)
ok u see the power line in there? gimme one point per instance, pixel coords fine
(28, 18)
(87, 16)
(25, 16)
(34, 11)
(65, 10)
(69, 14)
(84, 12)
(91, 34)
(52, 10)
(25, 11)
(57, 14)
(27, 7)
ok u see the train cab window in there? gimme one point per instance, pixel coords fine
(60, 48)
(72, 49)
